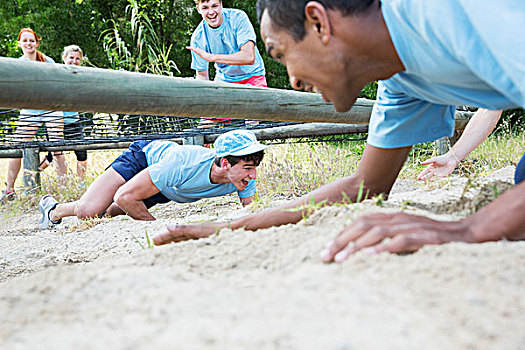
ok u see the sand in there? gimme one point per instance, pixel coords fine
(88, 286)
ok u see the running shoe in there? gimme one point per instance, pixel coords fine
(46, 204)
(7, 196)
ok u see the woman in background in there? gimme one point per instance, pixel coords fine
(73, 129)
(30, 120)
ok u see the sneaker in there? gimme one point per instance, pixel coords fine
(6, 195)
(46, 204)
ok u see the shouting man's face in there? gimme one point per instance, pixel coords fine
(318, 62)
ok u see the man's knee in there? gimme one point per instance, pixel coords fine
(85, 211)
(519, 175)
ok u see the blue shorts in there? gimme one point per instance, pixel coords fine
(132, 162)
(519, 175)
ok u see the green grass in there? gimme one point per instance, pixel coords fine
(293, 169)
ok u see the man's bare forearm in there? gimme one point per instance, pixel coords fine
(291, 213)
(503, 218)
(235, 59)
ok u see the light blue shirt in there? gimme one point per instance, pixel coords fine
(456, 52)
(235, 31)
(182, 173)
(70, 117)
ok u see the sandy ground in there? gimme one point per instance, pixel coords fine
(91, 285)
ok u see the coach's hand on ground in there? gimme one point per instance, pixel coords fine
(438, 167)
(405, 233)
(179, 233)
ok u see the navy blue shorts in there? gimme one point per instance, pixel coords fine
(132, 162)
(519, 175)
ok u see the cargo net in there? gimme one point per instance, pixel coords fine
(32, 128)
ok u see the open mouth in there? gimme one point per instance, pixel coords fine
(244, 183)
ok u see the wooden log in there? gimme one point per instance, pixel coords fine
(61, 87)
(31, 176)
(11, 153)
(302, 130)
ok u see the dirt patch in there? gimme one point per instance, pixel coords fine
(92, 285)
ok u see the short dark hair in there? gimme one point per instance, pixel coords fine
(289, 14)
(197, 2)
(256, 158)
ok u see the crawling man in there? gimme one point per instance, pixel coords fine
(152, 172)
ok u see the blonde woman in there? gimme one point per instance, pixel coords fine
(73, 129)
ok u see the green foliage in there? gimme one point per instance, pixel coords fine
(512, 121)
(145, 53)
(58, 22)
(369, 91)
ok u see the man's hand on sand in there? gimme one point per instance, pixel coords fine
(179, 233)
(406, 233)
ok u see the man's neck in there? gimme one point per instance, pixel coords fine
(369, 38)
(217, 175)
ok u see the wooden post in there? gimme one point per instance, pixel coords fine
(31, 176)
(444, 144)
(194, 140)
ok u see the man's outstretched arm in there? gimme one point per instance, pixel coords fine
(502, 219)
(377, 172)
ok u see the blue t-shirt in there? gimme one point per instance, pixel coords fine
(182, 173)
(71, 117)
(235, 31)
(468, 52)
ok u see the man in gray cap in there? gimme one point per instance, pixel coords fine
(152, 172)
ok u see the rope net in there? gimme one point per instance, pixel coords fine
(32, 128)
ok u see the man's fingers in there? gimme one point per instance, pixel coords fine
(408, 233)
(342, 246)
(179, 233)
(175, 234)
(404, 243)
(428, 161)
(374, 236)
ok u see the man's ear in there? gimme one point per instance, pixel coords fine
(317, 19)
(224, 163)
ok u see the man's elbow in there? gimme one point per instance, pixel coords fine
(249, 57)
